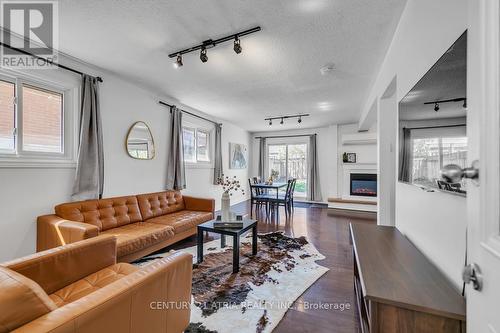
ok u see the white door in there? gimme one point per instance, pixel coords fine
(483, 310)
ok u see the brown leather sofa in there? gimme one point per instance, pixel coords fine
(81, 288)
(142, 223)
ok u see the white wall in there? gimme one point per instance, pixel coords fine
(431, 220)
(200, 180)
(387, 134)
(327, 155)
(365, 153)
(26, 193)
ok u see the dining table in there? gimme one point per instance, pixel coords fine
(270, 186)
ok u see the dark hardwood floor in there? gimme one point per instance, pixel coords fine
(328, 230)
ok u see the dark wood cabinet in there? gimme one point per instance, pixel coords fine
(398, 289)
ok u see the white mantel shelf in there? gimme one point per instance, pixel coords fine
(362, 138)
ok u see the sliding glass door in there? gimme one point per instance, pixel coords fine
(289, 161)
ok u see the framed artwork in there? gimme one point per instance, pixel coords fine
(349, 157)
(238, 156)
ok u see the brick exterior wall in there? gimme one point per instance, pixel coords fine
(6, 115)
(42, 118)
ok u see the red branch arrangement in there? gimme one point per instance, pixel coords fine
(230, 185)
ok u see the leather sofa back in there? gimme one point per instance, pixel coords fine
(21, 300)
(105, 213)
(160, 203)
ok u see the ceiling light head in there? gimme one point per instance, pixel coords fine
(465, 103)
(436, 107)
(282, 122)
(300, 119)
(270, 122)
(237, 45)
(203, 55)
(178, 62)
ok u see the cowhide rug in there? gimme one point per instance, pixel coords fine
(258, 296)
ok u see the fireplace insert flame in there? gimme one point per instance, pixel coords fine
(364, 184)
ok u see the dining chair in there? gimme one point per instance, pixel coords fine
(284, 200)
(292, 193)
(256, 198)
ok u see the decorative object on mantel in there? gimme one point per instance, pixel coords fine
(349, 158)
(229, 186)
(238, 156)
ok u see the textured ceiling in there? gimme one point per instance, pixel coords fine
(447, 79)
(278, 71)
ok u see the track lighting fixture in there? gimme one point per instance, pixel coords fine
(209, 43)
(237, 45)
(282, 118)
(454, 100)
(203, 55)
(178, 62)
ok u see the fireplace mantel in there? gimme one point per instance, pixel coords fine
(346, 179)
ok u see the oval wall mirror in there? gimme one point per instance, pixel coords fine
(140, 143)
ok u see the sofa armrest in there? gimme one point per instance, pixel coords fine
(53, 231)
(199, 204)
(56, 268)
(156, 298)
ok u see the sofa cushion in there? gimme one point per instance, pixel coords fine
(138, 236)
(161, 203)
(183, 220)
(91, 283)
(105, 213)
(21, 300)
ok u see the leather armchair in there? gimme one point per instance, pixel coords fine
(53, 231)
(83, 289)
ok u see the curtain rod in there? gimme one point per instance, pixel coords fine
(47, 60)
(430, 127)
(189, 113)
(284, 136)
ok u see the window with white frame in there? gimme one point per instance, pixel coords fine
(196, 143)
(32, 121)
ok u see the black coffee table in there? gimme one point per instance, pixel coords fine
(235, 232)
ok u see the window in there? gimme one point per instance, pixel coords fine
(196, 145)
(289, 161)
(32, 123)
(7, 116)
(202, 145)
(431, 154)
(42, 120)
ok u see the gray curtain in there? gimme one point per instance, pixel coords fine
(262, 158)
(89, 180)
(176, 179)
(405, 162)
(218, 153)
(313, 185)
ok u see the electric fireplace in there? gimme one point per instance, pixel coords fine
(364, 184)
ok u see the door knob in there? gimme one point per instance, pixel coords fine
(453, 173)
(472, 273)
